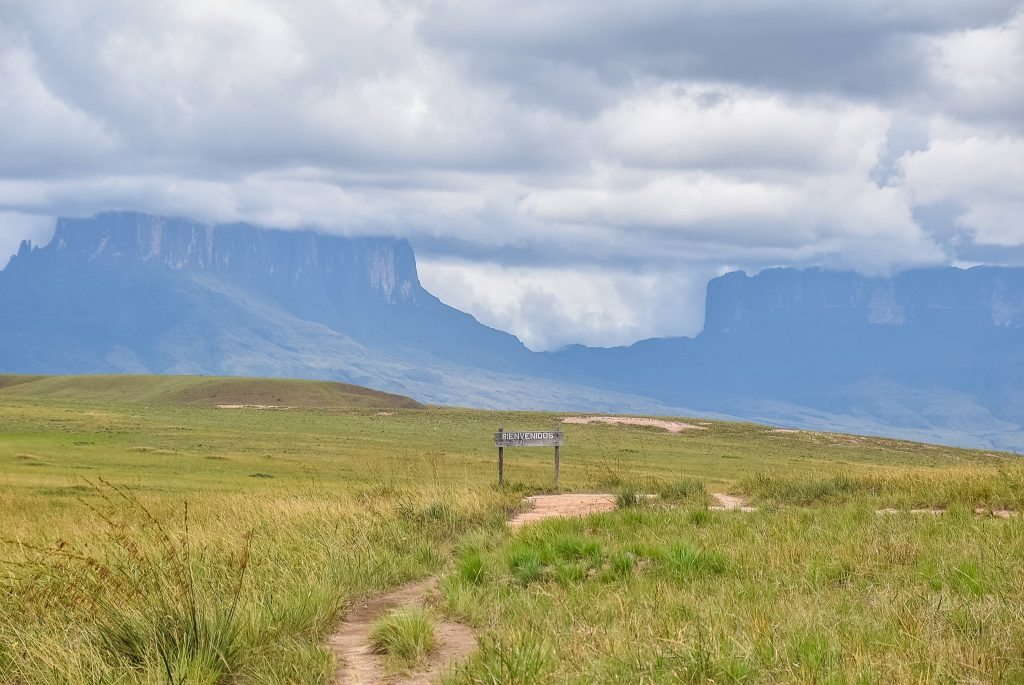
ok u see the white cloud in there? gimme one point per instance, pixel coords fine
(16, 227)
(980, 72)
(549, 307)
(624, 153)
(721, 127)
(39, 132)
(982, 173)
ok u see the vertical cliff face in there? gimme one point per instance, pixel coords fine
(150, 268)
(777, 299)
(291, 264)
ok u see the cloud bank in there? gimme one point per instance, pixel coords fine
(571, 170)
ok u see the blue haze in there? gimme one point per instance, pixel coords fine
(932, 354)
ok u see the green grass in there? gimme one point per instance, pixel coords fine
(200, 391)
(789, 596)
(405, 636)
(150, 537)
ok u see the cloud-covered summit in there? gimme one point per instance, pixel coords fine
(587, 163)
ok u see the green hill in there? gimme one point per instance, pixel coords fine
(201, 391)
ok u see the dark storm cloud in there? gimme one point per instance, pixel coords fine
(863, 49)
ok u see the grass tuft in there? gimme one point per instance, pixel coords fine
(405, 636)
(516, 659)
(691, 562)
(471, 567)
(628, 498)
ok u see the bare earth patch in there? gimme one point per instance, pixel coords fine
(359, 664)
(670, 426)
(980, 511)
(251, 406)
(724, 502)
(785, 430)
(549, 506)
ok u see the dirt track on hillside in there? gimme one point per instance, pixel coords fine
(670, 426)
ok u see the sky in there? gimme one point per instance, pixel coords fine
(568, 170)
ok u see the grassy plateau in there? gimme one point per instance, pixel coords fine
(214, 530)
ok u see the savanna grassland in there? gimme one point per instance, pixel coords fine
(152, 537)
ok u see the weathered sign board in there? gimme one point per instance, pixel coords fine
(529, 438)
(503, 439)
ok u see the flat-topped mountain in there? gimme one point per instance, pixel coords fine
(930, 353)
(134, 292)
(935, 354)
(980, 297)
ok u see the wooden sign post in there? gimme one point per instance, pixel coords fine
(503, 439)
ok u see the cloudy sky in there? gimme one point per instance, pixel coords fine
(569, 170)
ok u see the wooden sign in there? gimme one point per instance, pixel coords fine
(503, 439)
(529, 438)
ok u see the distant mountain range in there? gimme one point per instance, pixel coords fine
(930, 354)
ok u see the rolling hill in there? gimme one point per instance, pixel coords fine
(200, 391)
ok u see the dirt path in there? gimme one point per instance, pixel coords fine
(358, 664)
(724, 502)
(549, 506)
(670, 426)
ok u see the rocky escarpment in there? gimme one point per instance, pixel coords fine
(290, 263)
(977, 298)
(138, 292)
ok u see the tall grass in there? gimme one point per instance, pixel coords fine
(135, 586)
(828, 593)
(239, 589)
(995, 488)
(814, 587)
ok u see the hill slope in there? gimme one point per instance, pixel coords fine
(200, 390)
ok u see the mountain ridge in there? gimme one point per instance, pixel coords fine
(928, 353)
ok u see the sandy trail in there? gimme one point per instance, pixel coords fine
(569, 505)
(670, 426)
(359, 664)
(724, 502)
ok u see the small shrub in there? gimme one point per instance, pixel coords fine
(405, 636)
